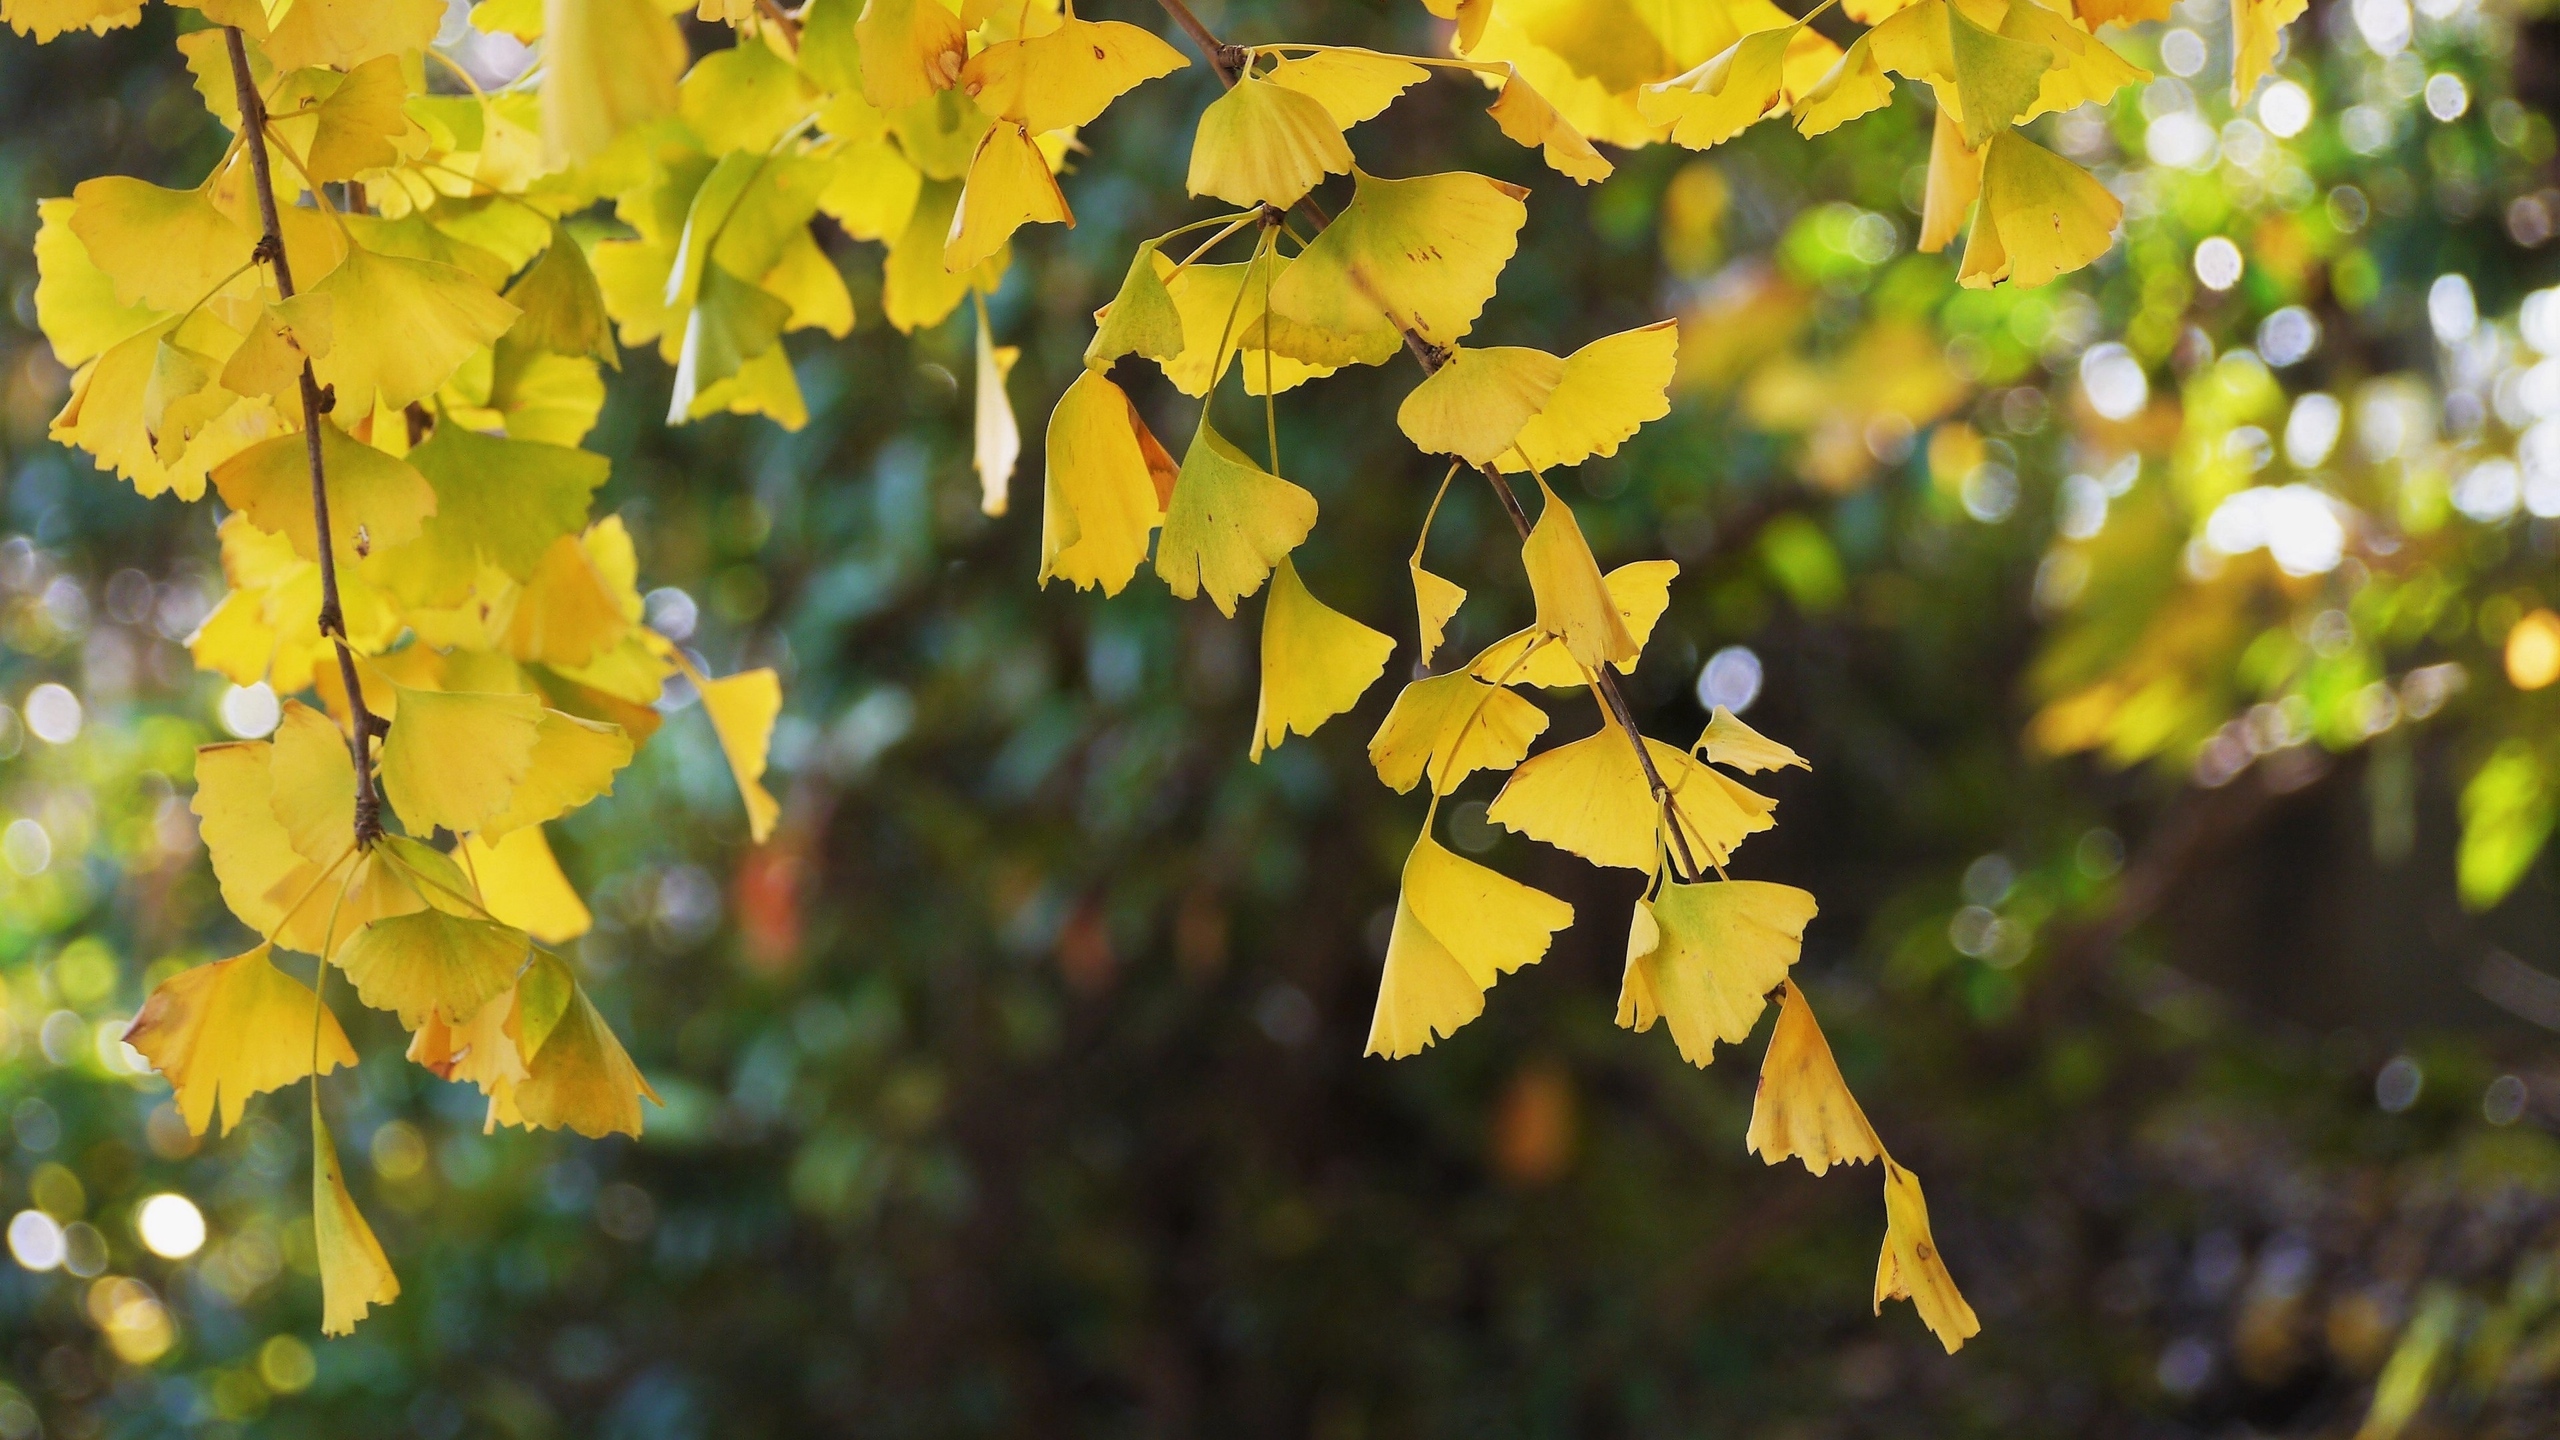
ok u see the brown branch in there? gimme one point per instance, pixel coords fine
(1228, 62)
(782, 20)
(316, 404)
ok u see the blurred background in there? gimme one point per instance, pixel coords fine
(2170, 645)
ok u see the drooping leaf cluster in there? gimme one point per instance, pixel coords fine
(432, 374)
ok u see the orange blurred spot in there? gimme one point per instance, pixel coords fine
(1533, 1130)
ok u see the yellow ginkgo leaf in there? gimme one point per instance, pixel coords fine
(1912, 41)
(1459, 927)
(1471, 15)
(1725, 96)
(1912, 1268)
(1640, 589)
(431, 962)
(1141, 320)
(1528, 119)
(608, 66)
(1955, 181)
(566, 614)
(910, 49)
(1350, 83)
(1435, 601)
(1592, 797)
(273, 352)
(358, 124)
(1099, 501)
(421, 320)
(1450, 726)
(1574, 604)
(732, 325)
(2040, 216)
(2257, 27)
(1855, 84)
(521, 883)
(1316, 661)
(1729, 742)
(2084, 70)
(1067, 77)
(76, 302)
(742, 709)
(1610, 389)
(1803, 1108)
(1230, 521)
(375, 500)
(344, 34)
(1215, 301)
(499, 501)
(232, 1029)
(1421, 254)
(261, 874)
(2094, 13)
(314, 779)
(1265, 144)
(1723, 946)
(563, 306)
(1009, 187)
(45, 19)
(1996, 75)
(578, 1073)
(165, 249)
(1589, 797)
(998, 436)
(453, 759)
(354, 1273)
(478, 1051)
(573, 762)
(1474, 405)
(181, 398)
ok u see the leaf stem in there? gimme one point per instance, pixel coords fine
(316, 405)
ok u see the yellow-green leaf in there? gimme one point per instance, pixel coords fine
(1265, 144)
(431, 962)
(376, 501)
(420, 321)
(354, 1273)
(1723, 946)
(1423, 253)
(2040, 216)
(454, 758)
(1229, 523)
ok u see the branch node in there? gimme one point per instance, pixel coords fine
(325, 400)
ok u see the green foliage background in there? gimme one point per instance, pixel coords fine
(1015, 1089)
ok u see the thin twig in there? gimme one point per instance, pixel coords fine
(316, 404)
(783, 20)
(1228, 61)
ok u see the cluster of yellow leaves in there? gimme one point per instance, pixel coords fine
(454, 328)
(1639, 72)
(1411, 263)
